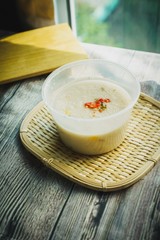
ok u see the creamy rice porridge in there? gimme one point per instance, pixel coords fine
(91, 99)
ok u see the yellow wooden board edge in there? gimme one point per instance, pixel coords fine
(37, 52)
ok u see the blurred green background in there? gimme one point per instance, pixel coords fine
(132, 24)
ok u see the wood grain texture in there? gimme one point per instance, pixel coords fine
(36, 203)
(37, 52)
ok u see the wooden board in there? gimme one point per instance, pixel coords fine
(37, 52)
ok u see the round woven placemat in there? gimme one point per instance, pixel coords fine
(112, 171)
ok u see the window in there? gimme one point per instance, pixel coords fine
(129, 24)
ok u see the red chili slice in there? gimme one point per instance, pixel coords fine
(103, 100)
(107, 100)
(100, 100)
(97, 103)
(92, 104)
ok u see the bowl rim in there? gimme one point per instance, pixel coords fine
(54, 73)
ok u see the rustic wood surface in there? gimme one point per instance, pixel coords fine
(38, 204)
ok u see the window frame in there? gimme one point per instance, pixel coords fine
(64, 11)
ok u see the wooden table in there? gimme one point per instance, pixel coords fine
(38, 204)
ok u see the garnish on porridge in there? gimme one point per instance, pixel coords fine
(100, 104)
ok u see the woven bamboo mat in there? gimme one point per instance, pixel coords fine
(115, 170)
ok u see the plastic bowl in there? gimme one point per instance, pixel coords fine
(90, 135)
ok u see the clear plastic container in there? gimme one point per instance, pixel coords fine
(91, 135)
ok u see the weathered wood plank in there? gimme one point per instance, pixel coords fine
(31, 194)
(16, 106)
(129, 214)
(7, 93)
